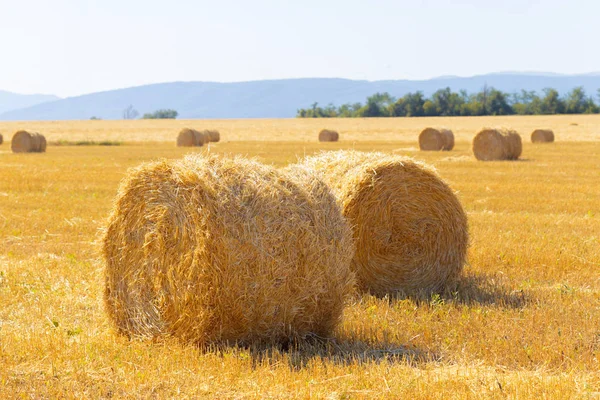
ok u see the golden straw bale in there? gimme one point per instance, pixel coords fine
(28, 142)
(201, 138)
(327, 135)
(542, 136)
(186, 138)
(210, 249)
(497, 144)
(214, 136)
(409, 227)
(436, 139)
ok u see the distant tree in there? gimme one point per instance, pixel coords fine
(576, 101)
(161, 114)
(130, 113)
(94, 118)
(498, 103)
(378, 105)
(551, 103)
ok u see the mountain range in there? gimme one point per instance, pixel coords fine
(267, 98)
(14, 101)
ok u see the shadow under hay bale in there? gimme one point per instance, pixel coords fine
(542, 136)
(497, 144)
(28, 142)
(409, 227)
(219, 250)
(327, 135)
(190, 138)
(436, 139)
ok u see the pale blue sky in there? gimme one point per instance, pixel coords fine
(71, 47)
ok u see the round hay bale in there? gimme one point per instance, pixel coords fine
(542, 136)
(327, 135)
(1, 139)
(410, 229)
(497, 144)
(201, 138)
(186, 138)
(28, 142)
(214, 136)
(436, 139)
(209, 249)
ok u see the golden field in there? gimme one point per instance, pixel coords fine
(523, 323)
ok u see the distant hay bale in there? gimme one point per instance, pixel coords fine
(436, 139)
(497, 144)
(28, 142)
(214, 136)
(327, 135)
(186, 138)
(1, 139)
(191, 137)
(209, 249)
(409, 227)
(201, 137)
(542, 136)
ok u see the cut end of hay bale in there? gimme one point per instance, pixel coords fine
(409, 227)
(28, 142)
(542, 136)
(327, 135)
(497, 144)
(210, 249)
(436, 139)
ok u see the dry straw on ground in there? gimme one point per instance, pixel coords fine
(191, 137)
(28, 142)
(497, 144)
(542, 136)
(409, 227)
(436, 139)
(213, 135)
(210, 249)
(327, 135)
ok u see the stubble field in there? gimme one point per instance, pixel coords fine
(524, 322)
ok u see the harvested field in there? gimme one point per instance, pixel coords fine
(523, 321)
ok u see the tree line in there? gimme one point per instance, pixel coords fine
(445, 102)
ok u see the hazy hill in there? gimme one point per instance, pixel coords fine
(14, 101)
(276, 98)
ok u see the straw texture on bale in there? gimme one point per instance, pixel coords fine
(209, 249)
(190, 138)
(542, 136)
(327, 135)
(409, 227)
(28, 142)
(436, 139)
(213, 135)
(201, 137)
(497, 144)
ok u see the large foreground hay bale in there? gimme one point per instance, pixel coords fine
(436, 139)
(213, 135)
(327, 135)
(28, 142)
(209, 249)
(497, 144)
(190, 138)
(542, 136)
(409, 227)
